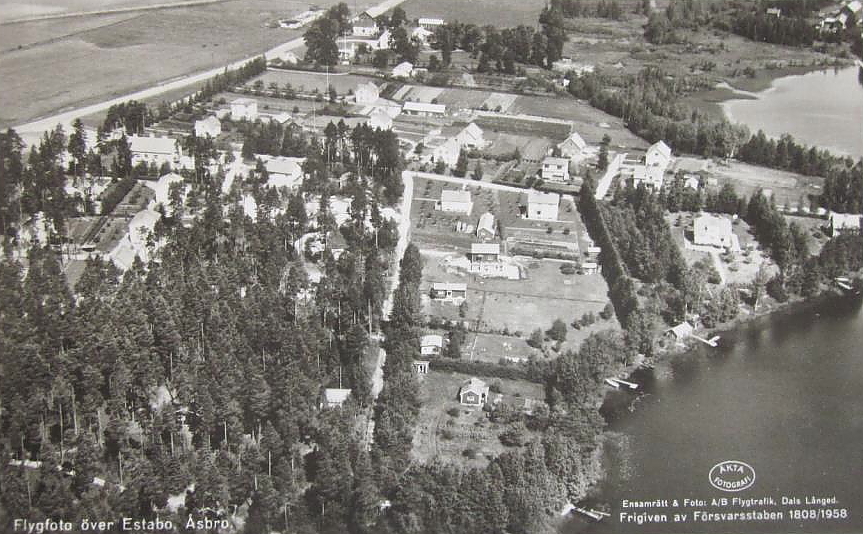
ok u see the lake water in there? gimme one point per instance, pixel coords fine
(783, 394)
(822, 108)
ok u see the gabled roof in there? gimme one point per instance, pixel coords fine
(474, 385)
(845, 220)
(242, 101)
(286, 166)
(682, 330)
(369, 86)
(144, 218)
(472, 131)
(660, 147)
(336, 396)
(485, 248)
(453, 195)
(486, 222)
(538, 197)
(575, 140)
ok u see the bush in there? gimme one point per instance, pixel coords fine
(567, 268)
(469, 453)
(515, 435)
(446, 434)
(453, 412)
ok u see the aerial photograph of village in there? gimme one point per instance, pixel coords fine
(486, 266)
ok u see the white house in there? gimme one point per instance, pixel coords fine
(485, 259)
(712, 230)
(211, 126)
(485, 229)
(422, 35)
(424, 109)
(572, 146)
(364, 25)
(455, 293)
(284, 172)
(456, 201)
(380, 119)
(842, 223)
(367, 93)
(651, 177)
(658, 155)
(431, 345)
(403, 70)
(470, 137)
(473, 392)
(334, 397)
(244, 108)
(542, 206)
(152, 149)
(448, 152)
(555, 169)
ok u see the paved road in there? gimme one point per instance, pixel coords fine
(115, 11)
(31, 132)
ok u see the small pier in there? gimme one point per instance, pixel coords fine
(713, 342)
(596, 515)
(619, 382)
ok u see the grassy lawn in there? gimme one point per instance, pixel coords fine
(440, 436)
(309, 81)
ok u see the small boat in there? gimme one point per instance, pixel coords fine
(612, 383)
(630, 385)
(593, 514)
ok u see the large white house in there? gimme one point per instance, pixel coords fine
(430, 23)
(364, 25)
(843, 222)
(453, 292)
(284, 172)
(244, 108)
(542, 206)
(152, 149)
(211, 126)
(555, 169)
(712, 230)
(403, 70)
(651, 176)
(470, 137)
(658, 155)
(456, 201)
(431, 345)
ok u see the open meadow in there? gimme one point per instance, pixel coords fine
(501, 13)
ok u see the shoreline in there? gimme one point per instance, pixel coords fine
(774, 309)
(711, 101)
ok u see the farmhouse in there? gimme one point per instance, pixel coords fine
(658, 155)
(152, 149)
(485, 259)
(712, 230)
(423, 109)
(573, 146)
(431, 345)
(364, 25)
(403, 70)
(473, 392)
(555, 169)
(211, 126)
(367, 93)
(841, 223)
(542, 206)
(244, 109)
(470, 137)
(485, 227)
(334, 397)
(447, 152)
(284, 172)
(456, 201)
(449, 292)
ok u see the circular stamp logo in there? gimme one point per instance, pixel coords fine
(732, 475)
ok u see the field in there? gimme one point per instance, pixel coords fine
(786, 188)
(440, 436)
(501, 13)
(493, 347)
(307, 82)
(59, 66)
